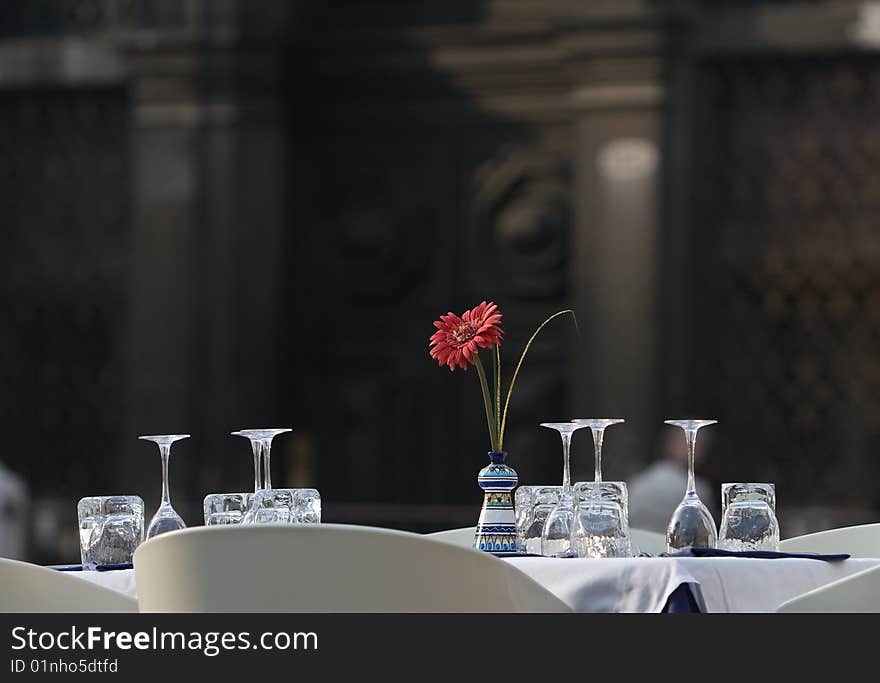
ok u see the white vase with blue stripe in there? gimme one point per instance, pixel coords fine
(496, 529)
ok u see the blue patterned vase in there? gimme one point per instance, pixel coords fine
(496, 530)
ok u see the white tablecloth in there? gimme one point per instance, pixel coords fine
(121, 580)
(642, 584)
(719, 584)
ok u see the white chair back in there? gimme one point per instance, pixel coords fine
(856, 593)
(646, 541)
(326, 568)
(858, 541)
(30, 588)
(463, 537)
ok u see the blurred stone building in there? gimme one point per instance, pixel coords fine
(225, 214)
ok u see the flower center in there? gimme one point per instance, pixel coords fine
(464, 333)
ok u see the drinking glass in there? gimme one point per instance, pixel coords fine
(226, 508)
(261, 444)
(284, 506)
(523, 505)
(602, 519)
(601, 525)
(601, 528)
(607, 490)
(166, 518)
(691, 523)
(271, 506)
(556, 534)
(533, 504)
(110, 529)
(748, 521)
(307, 506)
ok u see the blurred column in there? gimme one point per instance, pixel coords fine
(618, 101)
(207, 156)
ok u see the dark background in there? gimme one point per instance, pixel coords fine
(230, 214)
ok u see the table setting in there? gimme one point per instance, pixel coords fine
(573, 538)
(112, 527)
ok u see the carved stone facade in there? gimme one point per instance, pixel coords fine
(442, 158)
(791, 317)
(255, 209)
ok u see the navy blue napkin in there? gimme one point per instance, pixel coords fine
(516, 555)
(759, 554)
(98, 568)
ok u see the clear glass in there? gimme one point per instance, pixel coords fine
(597, 425)
(166, 517)
(691, 524)
(738, 492)
(545, 499)
(601, 529)
(601, 524)
(526, 502)
(110, 529)
(556, 534)
(523, 504)
(226, 508)
(609, 490)
(284, 506)
(748, 521)
(261, 445)
(307, 506)
(602, 519)
(270, 506)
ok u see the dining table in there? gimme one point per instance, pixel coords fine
(683, 584)
(646, 584)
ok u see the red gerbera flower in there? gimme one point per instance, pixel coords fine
(458, 340)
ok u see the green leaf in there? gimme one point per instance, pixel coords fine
(487, 403)
(519, 365)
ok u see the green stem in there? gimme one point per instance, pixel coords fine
(519, 365)
(487, 402)
(498, 389)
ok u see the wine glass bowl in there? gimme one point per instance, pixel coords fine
(556, 532)
(691, 525)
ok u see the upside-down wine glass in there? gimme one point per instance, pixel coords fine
(166, 518)
(597, 426)
(692, 523)
(261, 444)
(600, 524)
(556, 535)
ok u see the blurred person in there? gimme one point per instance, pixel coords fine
(14, 500)
(656, 491)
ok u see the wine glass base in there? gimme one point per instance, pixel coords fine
(557, 548)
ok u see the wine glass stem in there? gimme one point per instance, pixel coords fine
(566, 468)
(267, 472)
(164, 453)
(258, 481)
(597, 446)
(691, 436)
